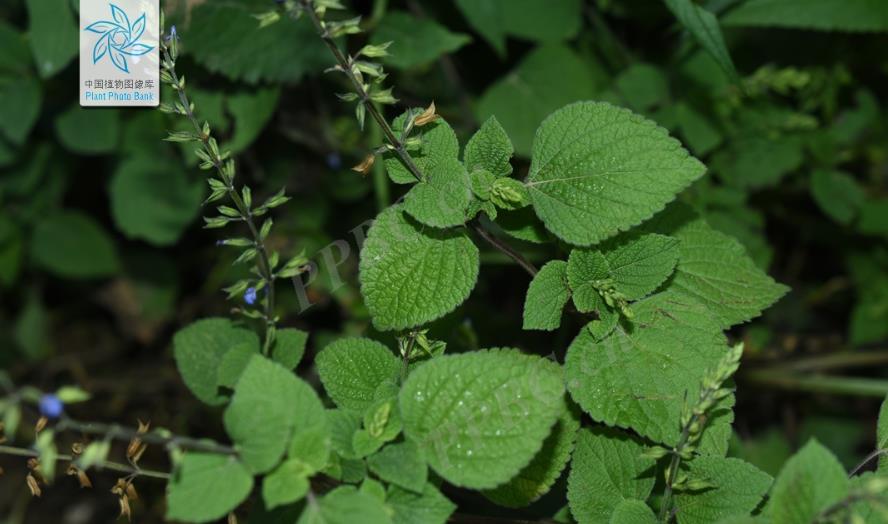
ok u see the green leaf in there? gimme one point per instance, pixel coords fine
(598, 170)
(442, 198)
(286, 484)
(345, 505)
(643, 86)
(438, 144)
(428, 507)
(267, 403)
(251, 111)
(233, 363)
(546, 297)
(205, 487)
(715, 270)
(343, 425)
(528, 19)
(22, 97)
(585, 268)
(52, 32)
(639, 264)
(873, 218)
(489, 149)
(837, 194)
(199, 350)
(282, 52)
(740, 164)
(311, 446)
(481, 417)
(412, 275)
(523, 224)
(607, 468)
(825, 15)
(70, 244)
(537, 478)
(400, 464)
(630, 511)
(289, 346)
(739, 488)
(530, 87)
(88, 131)
(154, 199)
(704, 27)
(882, 434)
(415, 41)
(639, 376)
(352, 369)
(810, 481)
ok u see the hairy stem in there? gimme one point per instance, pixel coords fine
(246, 214)
(116, 432)
(112, 466)
(396, 143)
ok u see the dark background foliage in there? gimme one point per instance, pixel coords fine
(102, 255)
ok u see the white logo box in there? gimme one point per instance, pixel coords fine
(119, 53)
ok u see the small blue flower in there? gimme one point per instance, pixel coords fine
(51, 406)
(250, 296)
(334, 161)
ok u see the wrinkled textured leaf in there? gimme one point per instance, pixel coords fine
(639, 378)
(411, 274)
(438, 144)
(429, 507)
(607, 468)
(489, 149)
(639, 264)
(442, 198)
(537, 478)
(598, 170)
(810, 481)
(402, 465)
(481, 417)
(546, 297)
(739, 489)
(630, 511)
(352, 369)
(715, 270)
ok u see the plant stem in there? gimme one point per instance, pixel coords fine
(875, 454)
(363, 96)
(394, 141)
(113, 466)
(666, 503)
(505, 248)
(779, 378)
(838, 360)
(246, 214)
(114, 431)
